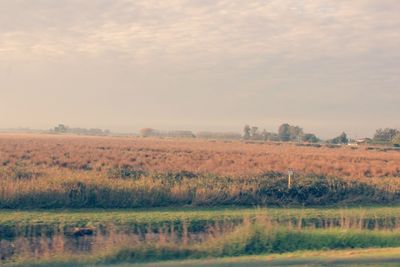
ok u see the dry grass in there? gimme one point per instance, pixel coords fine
(50, 171)
(218, 157)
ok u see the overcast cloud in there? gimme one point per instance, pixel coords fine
(202, 65)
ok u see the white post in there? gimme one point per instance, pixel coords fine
(290, 173)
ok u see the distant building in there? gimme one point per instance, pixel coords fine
(179, 134)
(146, 132)
(363, 141)
(149, 132)
(63, 129)
(219, 135)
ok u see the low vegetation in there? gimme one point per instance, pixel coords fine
(135, 189)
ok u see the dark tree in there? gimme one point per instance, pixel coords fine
(341, 139)
(254, 132)
(296, 133)
(61, 128)
(246, 132)
(311, 138)
(284, 132)
(396, 140)
(385, 135)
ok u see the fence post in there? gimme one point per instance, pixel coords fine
(289, 182)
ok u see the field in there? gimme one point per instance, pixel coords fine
(42, 171)
(232, 158)
(72, 200)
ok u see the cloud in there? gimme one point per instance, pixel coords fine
(252, 54)
(185, 30)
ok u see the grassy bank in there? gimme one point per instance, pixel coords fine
(250, 238)
(354, 257)
(378, 257)
(256, 240)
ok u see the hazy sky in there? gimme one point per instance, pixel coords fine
(326, 65)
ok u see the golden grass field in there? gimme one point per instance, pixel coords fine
(233, 158)
(61, 171)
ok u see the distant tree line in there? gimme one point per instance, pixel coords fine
(286, 133)
(387, 136)
(61, 128)
(290, 133)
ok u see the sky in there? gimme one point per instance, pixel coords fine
(215, 65)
